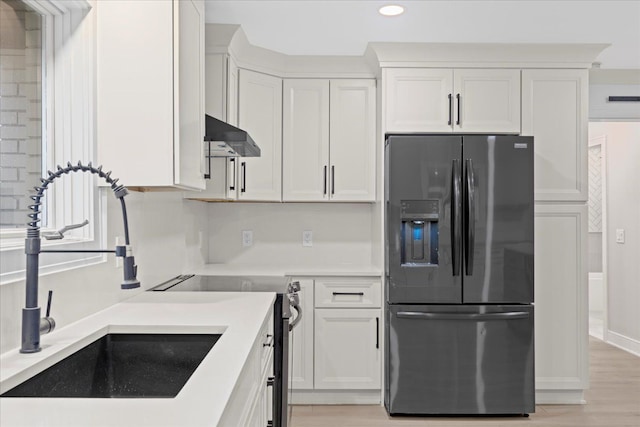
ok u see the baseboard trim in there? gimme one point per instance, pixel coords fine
(372, 397)
(623, 342)
(335, 397)
(560, 397)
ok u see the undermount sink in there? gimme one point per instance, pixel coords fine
(122, 366)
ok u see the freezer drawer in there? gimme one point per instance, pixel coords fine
(460, 359)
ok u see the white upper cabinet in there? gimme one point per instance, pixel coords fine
(260, 114)
(150, 96)
(555, 113)
(329, 140)
(221, 102)
(418, 99)
(352, 132)
(486, 100)
(305, 140)
(452, 100)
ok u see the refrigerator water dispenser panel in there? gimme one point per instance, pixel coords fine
(419, 232)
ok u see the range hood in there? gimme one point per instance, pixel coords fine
(224, 140)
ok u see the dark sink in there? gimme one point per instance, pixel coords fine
(122, 366)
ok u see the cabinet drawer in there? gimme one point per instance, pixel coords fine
(353, 293)
(265, 341)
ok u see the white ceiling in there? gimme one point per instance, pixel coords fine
(344, 27)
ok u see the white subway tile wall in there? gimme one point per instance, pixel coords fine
(20, 110)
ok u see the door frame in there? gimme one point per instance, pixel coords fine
(601, 140)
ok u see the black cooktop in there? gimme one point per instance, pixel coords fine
(197, 283)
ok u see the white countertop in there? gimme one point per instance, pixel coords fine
(238, 316)
(247, 270)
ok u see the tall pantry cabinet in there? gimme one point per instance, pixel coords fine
(555, 113)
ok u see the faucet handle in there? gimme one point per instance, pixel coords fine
(57, 235)
(49, 298)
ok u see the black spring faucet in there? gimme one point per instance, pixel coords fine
(32, 324)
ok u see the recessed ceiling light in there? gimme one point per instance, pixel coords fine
(391, 10)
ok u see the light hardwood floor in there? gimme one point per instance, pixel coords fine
(613, 400)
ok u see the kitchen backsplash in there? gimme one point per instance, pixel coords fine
(341, 234)
(169, 236)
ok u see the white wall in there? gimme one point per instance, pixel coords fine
(341, 234)
(169, 236)
(623, 212)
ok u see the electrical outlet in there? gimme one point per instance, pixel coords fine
(119, 242)
(247, 238)
(619, 235)
(307, 238)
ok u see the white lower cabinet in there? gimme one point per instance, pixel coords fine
(301, 342)
(260, 413)
(347, 349)
(337, 346)
(249, 404)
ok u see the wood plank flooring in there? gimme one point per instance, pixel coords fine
(613, 400)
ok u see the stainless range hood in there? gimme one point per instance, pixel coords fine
(224, 140)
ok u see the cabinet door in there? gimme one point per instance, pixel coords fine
(260, 114)
(347, 353)
(486, 100)
(217, 101)
(189, 94)
(554, 112)
(232, 188)
(134, 92)
(561, 296)
(301, 342)
(305, 140)
(418, 99)
(353, 140)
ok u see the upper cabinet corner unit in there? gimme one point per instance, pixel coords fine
(150, 92)
(470, 100)
(328, 139)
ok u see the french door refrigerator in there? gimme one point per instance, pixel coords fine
(459, 274)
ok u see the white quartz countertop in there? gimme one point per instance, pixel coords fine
(245, 270)
(237, 316)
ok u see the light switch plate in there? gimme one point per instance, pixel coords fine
(307, 238)
(619, 235)
(247, 238)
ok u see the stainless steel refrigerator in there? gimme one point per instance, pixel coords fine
(459, 274)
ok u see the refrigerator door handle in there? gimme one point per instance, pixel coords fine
(470, 217)
(419, 315)
(455, 217)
